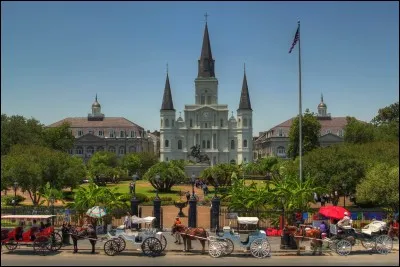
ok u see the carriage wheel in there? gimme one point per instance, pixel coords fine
(163, 241)
(368, 244)
(260, 248)
(55, 242)
(151, 246)
(384, 244)
(332, 243)
(111, 247)
(214, 249)
(120, 243)
(228, 246)
(42, 245)
(343, 247)
(11, 244)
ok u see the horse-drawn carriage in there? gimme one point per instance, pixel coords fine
(373, 236)
(151, 242)
(226, 240)
(43, 241)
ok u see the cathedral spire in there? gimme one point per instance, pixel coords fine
(244, 97)
(206, 61)
(167, 103)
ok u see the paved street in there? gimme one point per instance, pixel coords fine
(130, 258)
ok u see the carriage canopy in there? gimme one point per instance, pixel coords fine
(38, 217)
(247, 220)
(138, 220)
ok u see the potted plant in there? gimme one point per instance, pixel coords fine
(180, 205)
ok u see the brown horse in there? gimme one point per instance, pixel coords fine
(189, 234)
(87, 231)
(300, 234)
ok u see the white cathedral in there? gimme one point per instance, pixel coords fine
(206, 122)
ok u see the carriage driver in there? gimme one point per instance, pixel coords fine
(345, 223)
(177, 235)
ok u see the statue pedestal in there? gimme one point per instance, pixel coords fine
(195, 169)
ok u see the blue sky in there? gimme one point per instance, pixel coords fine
(55, 57)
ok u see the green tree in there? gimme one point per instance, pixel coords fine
(131, 162)
(387, 115)
(291, 194)
(48, 193)
(381, 187)
(17, 129)
(102, 163)
(147, 160)
(59, 138)
(171, 173)
(310, 134)
(222, 172)
(74, 170)
(358, 132)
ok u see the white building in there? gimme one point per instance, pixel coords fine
(206, 122)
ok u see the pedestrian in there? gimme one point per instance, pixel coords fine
(187, 196)
(131, 185)
(127, 221)
(205, 189)
(67, 217)
(322, 201)
(315, 197)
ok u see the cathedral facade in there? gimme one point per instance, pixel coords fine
(206, 122)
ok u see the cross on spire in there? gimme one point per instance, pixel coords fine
(206, 15)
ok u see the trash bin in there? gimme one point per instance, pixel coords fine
(65, 236)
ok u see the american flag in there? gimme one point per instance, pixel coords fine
(296, 38)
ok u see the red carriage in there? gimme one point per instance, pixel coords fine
(43, 240)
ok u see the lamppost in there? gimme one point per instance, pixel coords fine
(215, 204)
(135, 177)
(192, 205)
(15, 196)
(157, 204)
(135, 202)
(344, 194)
(52, 200)
(193, 180)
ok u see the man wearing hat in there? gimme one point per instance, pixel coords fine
(345, 223)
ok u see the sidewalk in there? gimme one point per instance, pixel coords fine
(174, 247)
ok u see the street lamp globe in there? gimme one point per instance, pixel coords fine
(135, 177)
(15, 186)
(157, 179)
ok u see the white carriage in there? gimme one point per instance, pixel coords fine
(224, 243)
(372, 237)
(151, 242)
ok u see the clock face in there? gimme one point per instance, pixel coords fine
(205, 114)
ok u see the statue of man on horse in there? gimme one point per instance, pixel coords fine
(200, 158)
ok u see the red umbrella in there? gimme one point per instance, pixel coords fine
(334, 212)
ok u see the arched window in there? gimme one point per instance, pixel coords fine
(90, 150)
(111, 149)
(179, 144)
(222, 123)
(79, 150)
(191, 123)
(121, 150)
(166, 123)
(204, 143)
(166, 143)
(281, 151)
(203, 99)
(244, 143)
(244, 122)
(208, 144)
(232, 144)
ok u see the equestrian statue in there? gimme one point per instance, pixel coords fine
(200, 158)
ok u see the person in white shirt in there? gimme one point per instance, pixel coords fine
(345, 222)
(128, 221)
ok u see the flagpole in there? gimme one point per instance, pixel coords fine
(300, 111)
